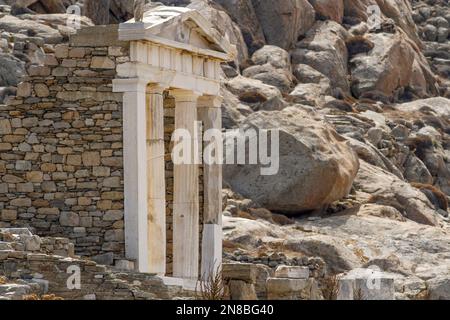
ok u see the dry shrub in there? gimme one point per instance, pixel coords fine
(45, 297)
(212, 286)
(358, 293)
(438, 194)
(261, 213)
(227, 244)
(330, 287)
(245, 215)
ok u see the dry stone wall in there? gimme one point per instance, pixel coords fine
(61, 165)
(61, 149)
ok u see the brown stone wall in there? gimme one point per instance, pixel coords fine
(61, 167)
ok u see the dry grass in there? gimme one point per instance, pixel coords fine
(330, 287)
(357, 293)
(212, 286)
(3, 280)
(245, 215)
(45, 297)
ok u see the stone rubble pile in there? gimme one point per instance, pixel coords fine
(31, 265)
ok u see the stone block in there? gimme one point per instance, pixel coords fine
(69, 219)
(5, 126)
(292, 289)
(41, 90)
(106, 259)
(102, 63)
(9, 215)
(125, 265)
(61, 51)
(113, 215)
(241, 290)
(366, 284)
(292, 272)
(91, 158)
(240, 271)
(24, 89)
(35, 176)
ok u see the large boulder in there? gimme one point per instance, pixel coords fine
(275, 56)
(97, 11)
(283, 21)
(11, 70)
(273, 67)
(386, 68)
(282, 79)
(325, 50)
(16, 25)
(316, 166)
(329, 9)
(255, 93)
(243, 13)
(224, 25)
(438, 106)
(399, 11)
(387, 189)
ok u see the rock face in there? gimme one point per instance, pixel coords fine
(385, 188)
(243, 13)
(255, 93)
(386, 68)
(358, 239)
(316, 166)
(329, 9)
(11, 70)
(324, 49)
(284, 21)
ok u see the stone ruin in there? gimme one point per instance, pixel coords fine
(85, 164)
(86, 145)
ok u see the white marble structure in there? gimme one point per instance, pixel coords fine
(175, 50)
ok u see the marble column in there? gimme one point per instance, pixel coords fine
(210, 114)
(156, 180)
(135, 170)
(186, 192)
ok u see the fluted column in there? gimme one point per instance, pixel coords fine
(210, 114)
(186, 192)
(156, 189)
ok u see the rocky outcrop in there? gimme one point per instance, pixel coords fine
(386, 68)
(284, 21)
(329, 9)
(243, 13)
(357, 238)
(316, 167)
(387, 189)
(324, 49)
(256, 94)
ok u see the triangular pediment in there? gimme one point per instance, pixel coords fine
(178, 27)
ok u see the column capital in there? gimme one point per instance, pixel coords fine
(156, 88)
(208, 101)
(129, 85)
(182, 95)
